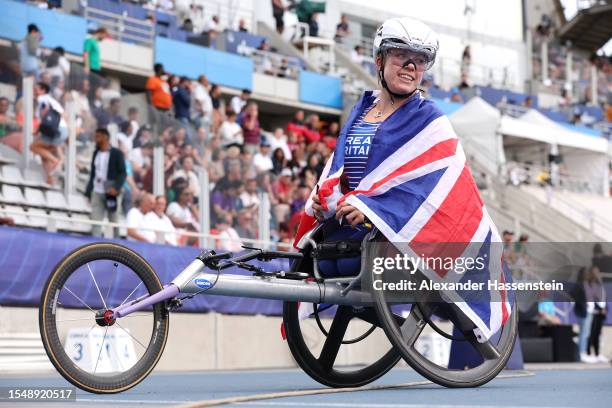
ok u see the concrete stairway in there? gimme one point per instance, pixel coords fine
(22, 352)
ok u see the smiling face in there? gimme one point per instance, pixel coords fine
(402, 78)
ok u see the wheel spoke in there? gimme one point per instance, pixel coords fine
(73, 320)
(130, 334)
(131, 293)
(332, 344)
(78, 298)
(412, 327)
(112, 280)
(101, 348)
(487, 350)
(97, 287)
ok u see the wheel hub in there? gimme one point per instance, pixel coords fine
(105, 318)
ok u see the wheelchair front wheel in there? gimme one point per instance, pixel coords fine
(95, 353)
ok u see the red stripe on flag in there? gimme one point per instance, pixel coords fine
(442, 150)
(327, 189)
(451, 228)
(307, 222)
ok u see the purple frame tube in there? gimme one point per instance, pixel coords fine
(168, 292)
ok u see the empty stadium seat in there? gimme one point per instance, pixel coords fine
(12, 175)
(81, 227)
(78, 203)
(34, 178)
(62, 225)
(17, 214)
(34, 197)
(37, 218)
(8, 154)
(12, 195)
(56, 200)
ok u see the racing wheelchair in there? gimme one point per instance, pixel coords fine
(104, 316)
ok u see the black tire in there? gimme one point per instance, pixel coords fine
(322, 372)
(468, 378)
(101, 383)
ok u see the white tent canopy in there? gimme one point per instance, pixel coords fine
(481, 128)
(476, 124)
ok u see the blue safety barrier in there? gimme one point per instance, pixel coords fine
(320, 89)
(58, 29)
(28, 256)
(192, 60)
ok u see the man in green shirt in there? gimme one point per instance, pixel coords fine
(91, 50)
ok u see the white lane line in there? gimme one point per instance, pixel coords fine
(130, 401)
(321, 391)
(373, 405)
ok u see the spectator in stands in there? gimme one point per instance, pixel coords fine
(245, 225)
(130, 189)
(106, 178)
(30, 52)
(213, 28)
(279, 162)
(509, 255)
(58, 65)
(91, 56)
(217, 112)
(230, 132)
(261, 159)
(284, 70)
(250, 197)
(250, 127)
(342, 29)
(228, 240)
(596, 294)
(242, 27)
(466, 61)
(183, 215)
(238, 102)
(186, 172)
(202, 103)
(547, 315)
(114, 113)
(282, 189)
(49, 146)
(137, 227)
(10, 130)
(463, 82)
(158, 220)
(278, 12)
(134, 119)
(313, 25)
(125, 140)
(225, 202)
(159, 89)
(181, 97)
(140, 157)
(584, 313)
(279, 141)
(357, 55)
(187, 25)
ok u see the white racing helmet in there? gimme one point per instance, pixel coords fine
(407, 33)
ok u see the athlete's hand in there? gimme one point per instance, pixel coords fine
(317, 207)
(352, 215)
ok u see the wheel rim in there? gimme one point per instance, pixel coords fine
(97, 354)
(405, 332)
(324, 366)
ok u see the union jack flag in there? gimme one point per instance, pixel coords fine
(417, 188)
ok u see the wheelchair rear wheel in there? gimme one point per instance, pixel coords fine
(404, 334)
(326, 369)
